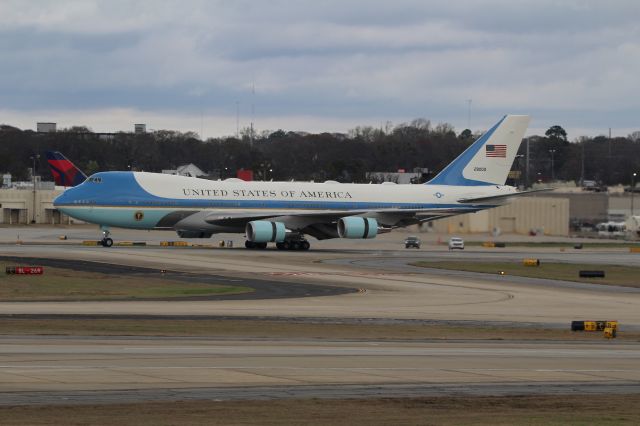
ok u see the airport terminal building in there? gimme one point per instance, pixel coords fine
(23, 206)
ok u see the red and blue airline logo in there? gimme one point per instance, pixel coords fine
(64, 172)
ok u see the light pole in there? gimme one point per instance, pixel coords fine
(526, 170)
(34, 158)
(633, 189)
(552, 152)
(265, 167)
(519, 159)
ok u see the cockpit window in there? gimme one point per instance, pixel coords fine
(95, 179)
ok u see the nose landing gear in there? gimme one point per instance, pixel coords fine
(106, 241)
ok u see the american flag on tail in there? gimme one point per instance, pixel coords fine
(496, 151)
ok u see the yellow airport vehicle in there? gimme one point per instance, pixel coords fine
(610, 328)
(610, 333)
(174, 243)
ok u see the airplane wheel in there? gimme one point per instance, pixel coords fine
(261, 246)
(280, 246)
(286, 245)
(107, 242)
(249, 244)
(295, 245)
(305, 245)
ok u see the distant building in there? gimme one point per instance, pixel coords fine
(46, 127)
(6, 180)
(524, 215)
(140, 128)
(246, 175)
(186, 170)
(402, 178)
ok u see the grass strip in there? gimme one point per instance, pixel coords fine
(456, 410)
(626, 276)
(561, 244)
(231, 328)
(57, 284)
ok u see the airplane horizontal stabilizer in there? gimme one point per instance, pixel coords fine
(500, 197)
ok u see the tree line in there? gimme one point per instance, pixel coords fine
(282, 155)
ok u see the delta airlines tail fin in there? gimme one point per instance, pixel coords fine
(64, 172)
(488, 160)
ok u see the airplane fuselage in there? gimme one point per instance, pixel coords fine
(155, 201)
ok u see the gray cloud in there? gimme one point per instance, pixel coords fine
(569, 62)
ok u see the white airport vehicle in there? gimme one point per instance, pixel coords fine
(611, 229)
(456, 243)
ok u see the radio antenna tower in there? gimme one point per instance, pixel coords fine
(237, 119)
(253, 95)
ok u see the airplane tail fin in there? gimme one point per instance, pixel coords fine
(64, 172)
(488, 160)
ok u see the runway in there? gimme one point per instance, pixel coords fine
(56, 369)
(45, 369)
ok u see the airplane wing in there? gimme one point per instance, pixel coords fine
(501, 197)
(322, 224)
(326, 215)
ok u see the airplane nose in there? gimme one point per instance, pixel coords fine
(61, 200)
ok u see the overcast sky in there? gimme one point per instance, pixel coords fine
(320, 65)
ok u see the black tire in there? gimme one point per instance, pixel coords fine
(107, 242)
(280, 246)
(286, 245)
(249, 244)
(261, 246)
(305, 245)
(295, 245)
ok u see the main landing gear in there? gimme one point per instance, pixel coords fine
(293, 245)
(106, 241)
(252, 245)
(292, 242)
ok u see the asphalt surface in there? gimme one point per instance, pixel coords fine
(69, 370)
(43, 370)
(386, 290)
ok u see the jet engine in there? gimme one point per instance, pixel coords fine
(357, 227)
(263, 231)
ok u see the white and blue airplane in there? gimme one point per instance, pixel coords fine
(285, 212)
